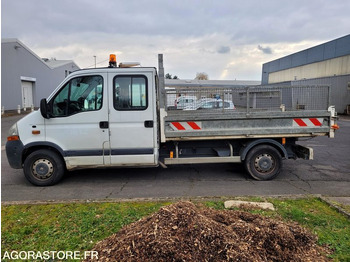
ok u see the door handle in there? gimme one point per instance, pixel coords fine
(148, 123)
(104, 124)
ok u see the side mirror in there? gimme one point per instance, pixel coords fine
(44, 108)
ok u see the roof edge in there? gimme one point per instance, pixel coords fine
(309, 48)
(16, 40)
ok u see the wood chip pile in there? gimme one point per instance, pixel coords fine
(184, 232)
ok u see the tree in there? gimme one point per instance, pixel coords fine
(202, 76)
(169, 76)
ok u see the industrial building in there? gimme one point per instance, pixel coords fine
(326, 64)
(26, 78)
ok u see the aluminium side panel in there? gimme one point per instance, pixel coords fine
(257, 125)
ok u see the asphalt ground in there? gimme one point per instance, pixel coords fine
(327, 175)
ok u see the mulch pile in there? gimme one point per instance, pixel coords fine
(184, 232)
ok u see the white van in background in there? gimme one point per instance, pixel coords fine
(186, 102)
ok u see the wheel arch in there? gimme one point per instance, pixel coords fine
(31, 147)
(269, 142)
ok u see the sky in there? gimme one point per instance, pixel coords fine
(226, 39)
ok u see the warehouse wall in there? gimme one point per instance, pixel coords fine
(325, 64)
(330, 67)
(16, 62)
(313, 56)
(19, 63)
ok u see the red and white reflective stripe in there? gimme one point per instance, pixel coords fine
(186, 126)
(307, 122)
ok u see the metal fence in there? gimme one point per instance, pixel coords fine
(248, 99)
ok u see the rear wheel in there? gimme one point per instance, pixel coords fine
(263, 162)
(44, 168)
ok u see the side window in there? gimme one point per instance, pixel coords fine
(80, 94)
(60, 102)
(130, 92)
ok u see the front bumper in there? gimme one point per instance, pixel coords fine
(14, 150)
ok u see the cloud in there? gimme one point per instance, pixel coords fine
(265, 50)
(224, 50)
(192, 35)
(246, 22)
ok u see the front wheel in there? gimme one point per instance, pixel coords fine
(44, 168)
(263, 162)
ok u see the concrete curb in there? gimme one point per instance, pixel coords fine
(160, 199)
(84, 201)
(335, 205)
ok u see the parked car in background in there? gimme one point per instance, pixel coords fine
(212, 103)
(207, 103)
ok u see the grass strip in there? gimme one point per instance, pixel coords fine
(78, 226)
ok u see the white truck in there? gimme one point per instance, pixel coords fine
(118, 117)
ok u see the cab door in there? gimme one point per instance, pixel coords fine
(132, 119)
(77, 126)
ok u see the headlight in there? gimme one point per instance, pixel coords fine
(13, 133)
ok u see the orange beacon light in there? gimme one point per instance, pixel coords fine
(112, 60)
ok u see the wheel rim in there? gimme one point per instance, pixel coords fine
(42, 169)
(264, 163)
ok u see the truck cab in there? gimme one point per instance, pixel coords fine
(95, 118)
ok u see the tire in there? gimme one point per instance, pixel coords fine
(44, 168)
(263, 162)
